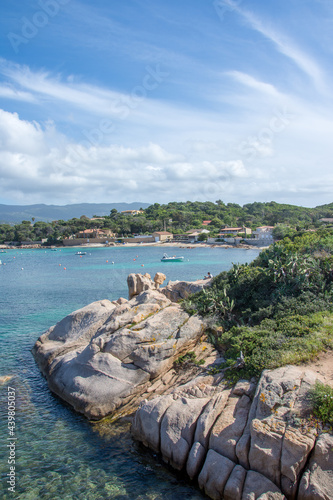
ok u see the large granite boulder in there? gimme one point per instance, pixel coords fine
(138, 283)
(72, 332)
(246, 442)
(178, 290)
(104, 358)
(174, 291)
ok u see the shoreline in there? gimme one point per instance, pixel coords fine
(133, 245)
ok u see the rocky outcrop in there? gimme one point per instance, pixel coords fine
(178, 290)
(250, 441)
(159, 279)
(104, 358)
(247, 442)
(174, 291)
(138, 283)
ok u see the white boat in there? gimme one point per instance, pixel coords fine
(166, 258)
(81, 253)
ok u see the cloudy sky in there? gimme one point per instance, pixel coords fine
(156, 101)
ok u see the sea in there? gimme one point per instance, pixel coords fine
(48, 451)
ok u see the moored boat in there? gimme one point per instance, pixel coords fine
(81, 253)
(166, 258)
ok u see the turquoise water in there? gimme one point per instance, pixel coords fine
(58, 453)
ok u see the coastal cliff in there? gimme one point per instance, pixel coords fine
(145, 354)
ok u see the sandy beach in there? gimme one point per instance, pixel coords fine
(138, 245)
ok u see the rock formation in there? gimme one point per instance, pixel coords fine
(174, 291)
(178, 290)
(104, 358)
(248, 442)
(138, 283)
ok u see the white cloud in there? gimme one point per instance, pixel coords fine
(33, 160)
(38, 164)
(285, 46)
(17, 95)
(19, 136)
(45, 86)
(257, 85)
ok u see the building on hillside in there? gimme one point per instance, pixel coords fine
(95, 233)
(162, 236)
(206, 222)
(193, 234)
(264, 233)
(235, 230)
(132, 212)
(327, 220)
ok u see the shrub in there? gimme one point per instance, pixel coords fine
(322, 398)
(278, 309)
(273, 343)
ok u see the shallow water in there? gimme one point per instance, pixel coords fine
(58, 453)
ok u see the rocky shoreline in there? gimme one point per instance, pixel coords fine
(255, 440)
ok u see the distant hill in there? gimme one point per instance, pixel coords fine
(13, 214)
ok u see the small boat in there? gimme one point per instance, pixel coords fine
(166, 258)
(81, 253)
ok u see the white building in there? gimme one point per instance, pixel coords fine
(264, 233)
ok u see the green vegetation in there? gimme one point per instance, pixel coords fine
(322, 398)
(188, 359)
(277, 310)
(177, 217)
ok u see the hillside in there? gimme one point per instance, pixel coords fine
(14, 214)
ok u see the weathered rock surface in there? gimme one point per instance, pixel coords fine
(177, 290)
(317, 481)
(242, 443)
(247, 442)
(159, 279)
(104, 358)
(174, 291)
(138, 283)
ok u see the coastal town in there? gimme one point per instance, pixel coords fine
(257, 224)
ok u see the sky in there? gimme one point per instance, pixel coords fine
(156, 101)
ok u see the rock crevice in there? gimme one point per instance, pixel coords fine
(243, 443)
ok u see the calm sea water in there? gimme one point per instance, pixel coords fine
(58, 453)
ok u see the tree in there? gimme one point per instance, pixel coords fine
(282, 231)
(203, 237)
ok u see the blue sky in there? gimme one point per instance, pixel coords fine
(156, 101)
